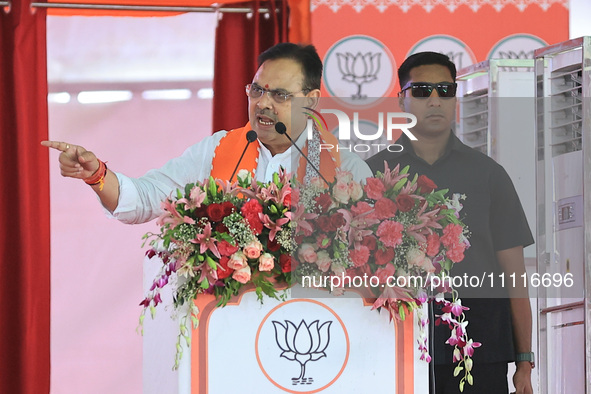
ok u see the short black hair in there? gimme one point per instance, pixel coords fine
(424, 59)
(305, 55)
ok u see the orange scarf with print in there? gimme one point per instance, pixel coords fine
(228, 152)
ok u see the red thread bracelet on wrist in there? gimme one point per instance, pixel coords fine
(98, 178)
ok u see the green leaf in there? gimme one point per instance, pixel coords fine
(401, 311)
(399, 184)
(211, 263)
(213, 187)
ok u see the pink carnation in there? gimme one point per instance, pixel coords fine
(359, 255)
(390, 233)
(451, 235)
(374, 188)
(384, 272)
(433, 245)
(362, 207)
(456, 252)
(385, 208)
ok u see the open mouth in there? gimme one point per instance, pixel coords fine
(265, 121)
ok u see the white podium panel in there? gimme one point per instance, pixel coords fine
(333, 345)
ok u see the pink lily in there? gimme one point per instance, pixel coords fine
(196, 197)
(273, 226)
(388, 299)
(300, 217)
(206, 241)
(391, 177)
(171, 217)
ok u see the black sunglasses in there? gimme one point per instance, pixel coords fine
(424, 89)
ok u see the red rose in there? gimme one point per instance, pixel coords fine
(287, 200)
(385, 208)
(226, 248)
(228, 208)
(323, 202)
(337, 220)
(221, 228)
(370, 241)
(324, 224)
(222, 269)
(425, 184)
(405, 202)
(287, 263)
(215, 212)
(201, 211)
(384, 256)
(273, 245)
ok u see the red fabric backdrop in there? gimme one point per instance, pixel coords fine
(24, 203)
(238, 42)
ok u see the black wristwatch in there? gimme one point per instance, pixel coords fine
(529, 357)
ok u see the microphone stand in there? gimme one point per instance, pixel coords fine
(281, 129)
(250, 137)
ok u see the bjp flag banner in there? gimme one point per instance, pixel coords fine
(364, 41)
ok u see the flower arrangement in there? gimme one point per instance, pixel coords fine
(216, 237)
(393, 235)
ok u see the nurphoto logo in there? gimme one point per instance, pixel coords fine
(388, 121)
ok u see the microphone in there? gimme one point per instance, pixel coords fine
(251, 136)
(281, 129)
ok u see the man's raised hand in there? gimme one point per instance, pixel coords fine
(75, 161)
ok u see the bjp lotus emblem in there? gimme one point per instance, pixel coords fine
(304, 343)
(359, 69)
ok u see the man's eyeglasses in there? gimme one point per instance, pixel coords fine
(424, 89)
(279, 96)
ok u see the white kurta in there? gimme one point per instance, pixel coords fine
(139, 198)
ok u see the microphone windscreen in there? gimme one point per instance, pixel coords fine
(251, 136)
(280, 128)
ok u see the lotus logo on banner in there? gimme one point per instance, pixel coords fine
(454, 48)
(359, 70)
(304, 343)
(516, 46)
(302, 346)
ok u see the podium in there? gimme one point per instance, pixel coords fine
(313, 344)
